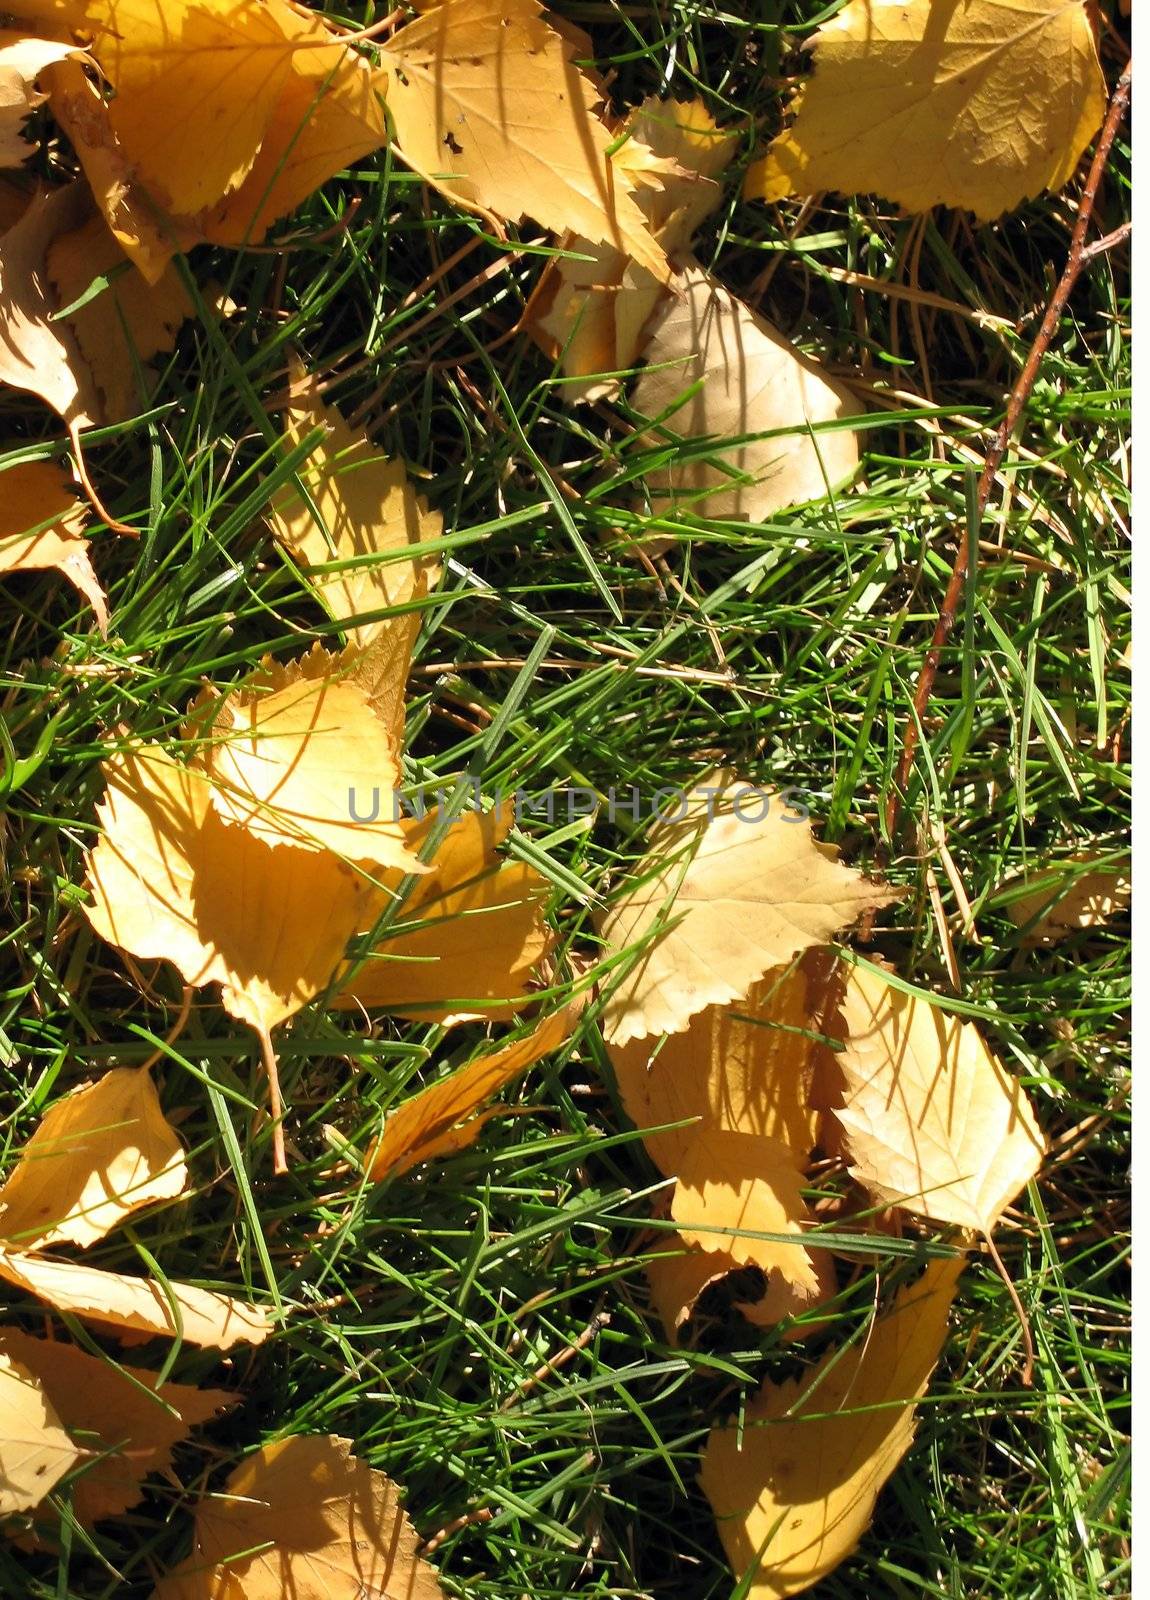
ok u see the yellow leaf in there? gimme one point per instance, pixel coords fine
(15, 198)
(329, 114)
(1065, 898)
(285, 102)
(749, 1068)
(35, 1452)
(416, 1130)
(735, 887)
(679, 1274)
(37, 354)
(34, 495)
(126, 324)
(978, 105)
(794, 1487)
(147, 237)
(735, 1185)
(171, 880)
(196, 82)
(381, 667)
(292, 752)
(371, 524)
(128, 1422)
(99, 1153)
(173, 1310)
(467, 938)
(21, 62)
(324, 1526)
(933, 1121)
(489, 107)
(745, 378)
(590, 310)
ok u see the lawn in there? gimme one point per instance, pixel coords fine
(481, 1327)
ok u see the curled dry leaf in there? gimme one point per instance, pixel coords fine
(734, 888)
(128, 1422)
(467, 938)
(172, 881)
(489, 107)
(40, 530)
(933, 1121)
(35, 1450)
(590, 309)
(22, 60)
(794, 1485)
(98, 1154)
(136, 1305)
(442, 1117)
(741, 377)
(323, 1526)
(978, 105)
(360, 545)
(1065, 899)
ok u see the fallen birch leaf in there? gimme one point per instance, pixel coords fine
(99, 1154)
(125, 325)
(35, 1451)
(490, 109)
(329, 114)
(735, 1185)
(978, 105)
(591, 308)
(22, 60)
(40, 530)
(468, 937)
(289, 104)
(443, 1116)
(178, 66)
(933, 1121)
(793, 1487)
(1065, 898)
(747, 1068)
(172, 881)
(146, 236)
(36, 353)
(723, 895)
(744, 378)
(363, 555)
(128, 1423)
(324, 1526)
(288, 751)
(137, 1305)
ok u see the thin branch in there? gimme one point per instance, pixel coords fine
(1079, 257)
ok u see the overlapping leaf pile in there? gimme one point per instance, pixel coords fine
(744, 1041)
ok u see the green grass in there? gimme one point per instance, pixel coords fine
(417, 1311)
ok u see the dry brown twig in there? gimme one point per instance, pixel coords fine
(1080, 256)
